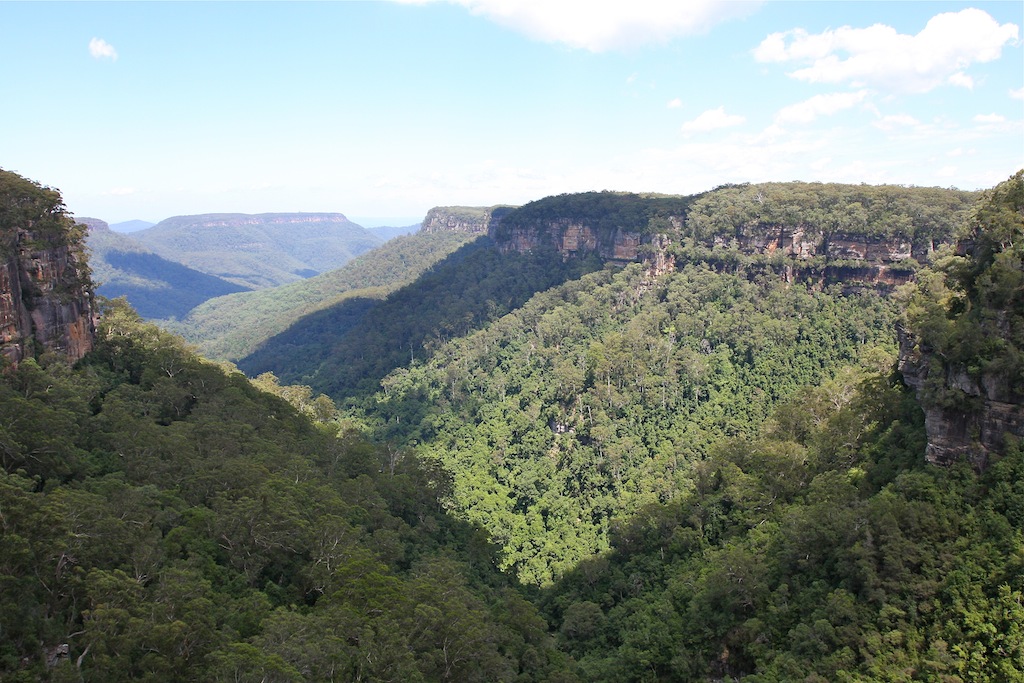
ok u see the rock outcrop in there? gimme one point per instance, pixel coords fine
(46, 295)
(469, 220)
(974, 415)
(573, 238)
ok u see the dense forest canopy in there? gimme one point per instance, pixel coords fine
(536, 469)
(605, 212)
(163, 519)
(927, 216)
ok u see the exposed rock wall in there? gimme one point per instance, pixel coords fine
(470, 220)
(46, 299)
(574, 238)
(974, 415)
(801, 243)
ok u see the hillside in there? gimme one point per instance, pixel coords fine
(818, 545)
(234, 326)
(164, 519)
(262, 250)
(711, 460)
(157, 288)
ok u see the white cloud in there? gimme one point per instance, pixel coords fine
(601, 26)
(989, 118)
(894, 121)
(961, 80)
(712, 119)
(1017, 94)
(819, 105)
(881, 57)
(101, 49)
(674, 103)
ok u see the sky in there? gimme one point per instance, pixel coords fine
(382, 110)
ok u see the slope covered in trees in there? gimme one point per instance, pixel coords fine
(599, 396)
(345, 350)
(232, 327)
(820, 546)
(707, 474)
(162, 519)
(157, 288)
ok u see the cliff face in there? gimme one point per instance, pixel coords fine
(574, 238)
(977, 414)
(848, 257)
(801, 243)
(46, 301)
(469, 220)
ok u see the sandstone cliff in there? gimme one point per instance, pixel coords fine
(46, 299)
(469, 220)
(830, 233)
(976, 414)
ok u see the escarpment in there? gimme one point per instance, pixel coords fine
(46, 293)
(875, 235)
(468, 220)
(967, 416)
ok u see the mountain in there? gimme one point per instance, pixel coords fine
(157, 288)
(131, 226)
(234, 326)
(261, 250)
(819, 544)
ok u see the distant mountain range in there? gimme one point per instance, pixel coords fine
(158, 288)
(167, 269)
(131, 226)
(259, 250)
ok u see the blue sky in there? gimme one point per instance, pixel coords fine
(385, 109)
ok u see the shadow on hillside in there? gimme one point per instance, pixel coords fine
(175, 290)
(345, 351)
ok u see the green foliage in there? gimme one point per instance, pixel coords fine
(164, 519)
(788, 563)
(232, 327)
(967, 311)
(597, 397)
(706, 475)
(344, 351)
(923, 216)
(605, 212)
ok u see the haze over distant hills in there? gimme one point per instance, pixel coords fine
(167, 269)
(131, 226)
(386, 232)
(261, 250)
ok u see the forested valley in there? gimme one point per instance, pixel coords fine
(534, 467)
